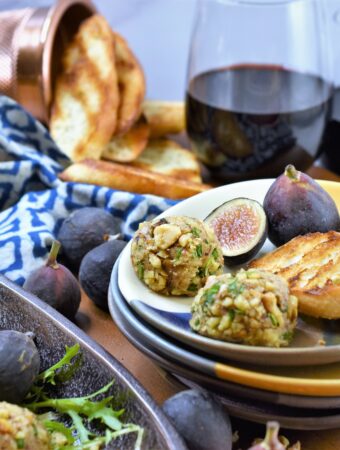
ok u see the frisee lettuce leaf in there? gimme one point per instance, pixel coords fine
(77, 409)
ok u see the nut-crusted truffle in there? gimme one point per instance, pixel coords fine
(252, 307)
(175, 255)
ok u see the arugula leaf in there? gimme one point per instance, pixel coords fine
(77, 409)
(49, 375)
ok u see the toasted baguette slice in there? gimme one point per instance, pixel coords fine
(132, 179)
(84, 112)
(131, 83)
(167, 157)
(311, 266)
(127, 147)
(164, 117)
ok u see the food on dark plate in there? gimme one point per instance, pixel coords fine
(19, 365)
(95, 270)
(63, 423)
(252, 307)
(240, 225)
(311, 266)
(83, 230)
(21, 429)
(295, 205)
(56, 285)
(175, 255)
(200, 419)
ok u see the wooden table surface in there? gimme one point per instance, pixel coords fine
(101, 328)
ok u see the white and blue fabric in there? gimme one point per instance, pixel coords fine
(34, 202)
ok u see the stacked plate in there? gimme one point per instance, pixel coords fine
(298, 385)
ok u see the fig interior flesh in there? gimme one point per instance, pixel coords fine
(240, 226)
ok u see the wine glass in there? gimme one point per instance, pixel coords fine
(259, 86)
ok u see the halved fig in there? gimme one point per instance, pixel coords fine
(240, 226)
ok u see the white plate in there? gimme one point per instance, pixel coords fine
(171, 314)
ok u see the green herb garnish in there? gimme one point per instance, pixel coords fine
(288, 336)
(192, 287)
(235, 288)
(210, 293)
(273, 320)
(196, 232)
(20, 442)
(179, 252)
(96, 407)
(140, 270)
(215, 254)
(199, 250)
(231, 314)
(201, 272)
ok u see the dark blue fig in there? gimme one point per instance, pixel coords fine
(200, 419)
(95, 270)
(56, 285)
(295, 205)
(84, 230)
(19, 365)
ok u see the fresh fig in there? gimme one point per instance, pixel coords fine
(200, 419)
(295, 205)
(19, 365)
(84, 230)
(240, 226)
(95, 270)
(55, 284)
(271, 440)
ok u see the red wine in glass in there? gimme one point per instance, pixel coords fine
(250, 121)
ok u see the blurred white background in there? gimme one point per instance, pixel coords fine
(159, 31)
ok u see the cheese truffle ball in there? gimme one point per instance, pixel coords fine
(20, 428)
(252, 307)
(175, 255)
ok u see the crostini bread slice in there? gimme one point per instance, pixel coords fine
(311, 266)
(85, 106)
(167, 157)
(131, 179)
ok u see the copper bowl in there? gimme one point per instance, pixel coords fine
(31, 44)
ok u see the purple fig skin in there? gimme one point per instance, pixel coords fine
(295, 205)
(271, 440)
(56, 285)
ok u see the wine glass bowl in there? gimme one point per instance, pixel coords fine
(259, 86)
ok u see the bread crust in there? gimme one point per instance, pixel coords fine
(131, 83)
(311, 266)
(84, 111)
(131, 179)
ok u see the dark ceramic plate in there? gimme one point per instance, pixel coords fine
(22, 311)
(237, 405)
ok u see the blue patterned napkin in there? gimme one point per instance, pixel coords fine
(34, 202)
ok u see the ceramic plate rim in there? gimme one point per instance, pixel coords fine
(281, 384)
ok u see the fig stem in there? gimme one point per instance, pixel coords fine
(52, 257)
(292, 173)
(112, 237)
